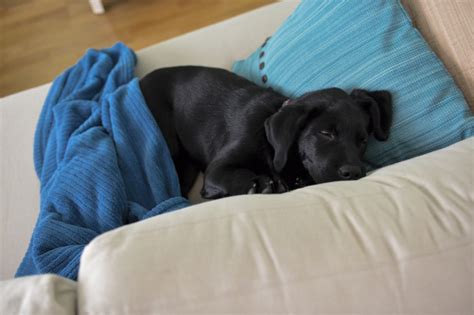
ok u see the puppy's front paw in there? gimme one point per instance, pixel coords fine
(262, 185)
(266, 185)
(211, 192)
(281, 186)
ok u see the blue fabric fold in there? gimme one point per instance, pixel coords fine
(101, 160)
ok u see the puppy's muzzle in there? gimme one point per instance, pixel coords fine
(349, 172)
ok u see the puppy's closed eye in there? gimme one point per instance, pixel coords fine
(330, 135)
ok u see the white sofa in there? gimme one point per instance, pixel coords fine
(398, 241)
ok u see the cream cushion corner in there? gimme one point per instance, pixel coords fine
(397, 241)
(46, 294)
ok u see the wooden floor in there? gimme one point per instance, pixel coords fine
(40, 38)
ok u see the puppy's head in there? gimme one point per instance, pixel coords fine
(328, 130)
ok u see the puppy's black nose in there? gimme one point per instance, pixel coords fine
(347, 172)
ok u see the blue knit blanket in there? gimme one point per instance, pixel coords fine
(101, 160)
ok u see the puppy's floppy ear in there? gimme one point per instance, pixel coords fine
(378, 105)
(281, 130)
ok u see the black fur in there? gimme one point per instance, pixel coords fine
(248, 139)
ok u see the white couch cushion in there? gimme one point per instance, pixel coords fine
(19, 186)
(397, 241)
(35, 295)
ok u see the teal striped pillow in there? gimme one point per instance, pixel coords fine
(370, 45)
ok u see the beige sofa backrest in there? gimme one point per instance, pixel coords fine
(448, 26)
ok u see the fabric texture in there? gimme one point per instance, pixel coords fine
(398, 241)
(370, 45)
(38, 295)
(101, 160)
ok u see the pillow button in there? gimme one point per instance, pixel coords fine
(261, 65)
(261, 54)
(266, 40)
(264, 78)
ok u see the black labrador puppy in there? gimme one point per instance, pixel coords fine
(248, 139)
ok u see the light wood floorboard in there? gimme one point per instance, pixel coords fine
(41, 38)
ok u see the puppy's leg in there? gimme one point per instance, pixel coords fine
(222, 180)
(268, 184)
(187, 172)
